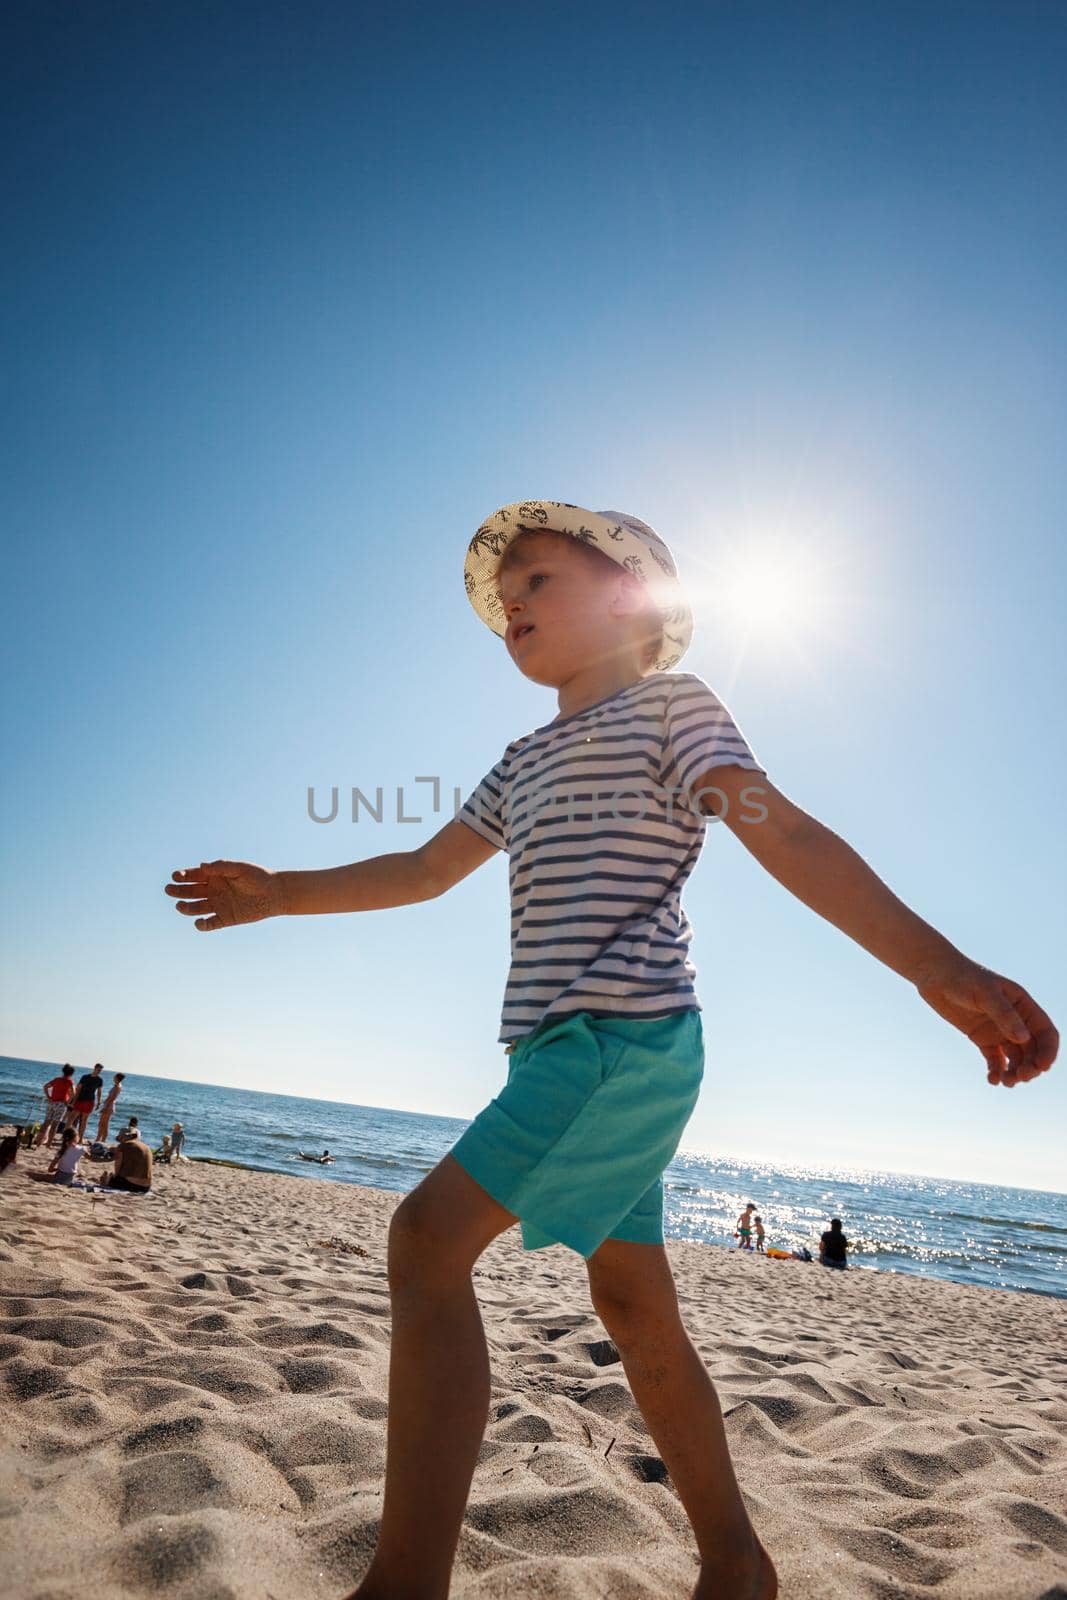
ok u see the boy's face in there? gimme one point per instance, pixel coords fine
(563, 613)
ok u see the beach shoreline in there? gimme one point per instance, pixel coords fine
(196, 1389)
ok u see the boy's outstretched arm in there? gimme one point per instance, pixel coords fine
(1014, 1035)
(224, 894)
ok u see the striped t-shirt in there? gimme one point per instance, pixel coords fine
(600, 815)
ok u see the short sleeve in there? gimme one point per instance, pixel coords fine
(699, 734)
(483, 811)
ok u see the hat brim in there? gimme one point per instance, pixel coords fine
(644, 555)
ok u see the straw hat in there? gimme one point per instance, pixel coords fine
(627, 540)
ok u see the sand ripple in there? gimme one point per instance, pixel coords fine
(196, 1399)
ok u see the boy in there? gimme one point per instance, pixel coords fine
(58, 1092)
(744, 1228)
(761, 1235)
(602, 813)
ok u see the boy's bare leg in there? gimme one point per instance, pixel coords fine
(438, 1382)
(634, 1295)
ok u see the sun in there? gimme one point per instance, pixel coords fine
(764, 594)
(769, 591)
(794, 588)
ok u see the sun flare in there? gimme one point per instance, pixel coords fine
(763, 595)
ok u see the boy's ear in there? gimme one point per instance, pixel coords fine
(629, 596)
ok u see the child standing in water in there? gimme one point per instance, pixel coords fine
(744, 1228)
(602, 814)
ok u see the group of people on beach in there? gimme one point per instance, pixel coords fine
(833, 1246)
(69, 1106)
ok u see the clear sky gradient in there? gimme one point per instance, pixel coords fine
(295, 295)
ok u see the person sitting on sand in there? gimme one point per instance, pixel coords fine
(133, 1165)
(58, 1092)
(744, 1227)
(63, 1167)
(108, 1107)
(86, 1099)
(164, 1152)
(833, 1246)
(760, 1234)
(9, 1148)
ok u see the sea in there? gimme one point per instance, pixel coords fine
(977, 1233)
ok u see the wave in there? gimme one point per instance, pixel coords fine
(947, 1254)
(364, 1159)
(1003, 1222)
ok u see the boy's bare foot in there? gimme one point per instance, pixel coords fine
(732, 1579)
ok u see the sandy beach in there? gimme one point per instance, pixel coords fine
(195, 1399)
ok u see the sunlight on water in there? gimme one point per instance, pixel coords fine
(971, 1233)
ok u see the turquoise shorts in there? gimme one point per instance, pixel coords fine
(576, 1142)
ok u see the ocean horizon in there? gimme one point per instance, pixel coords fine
(990, 1235)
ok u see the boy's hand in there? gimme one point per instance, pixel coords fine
(1010, 1029)
(227, 893)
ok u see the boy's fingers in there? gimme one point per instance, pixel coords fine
(194, 908)
(1045, 1039)
(208, 869)
(1009, 1065)
(189, 882)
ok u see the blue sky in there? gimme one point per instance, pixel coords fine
(296, 295)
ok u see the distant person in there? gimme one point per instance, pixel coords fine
(833, 1246)
(58, 1092)
(86, 1099)
(63, 1167)
(164, 1151)
(760, 1234)
(133, 1165)
(108, 1107)
(177, 1143)
(9, 1148)
(744, 1227)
